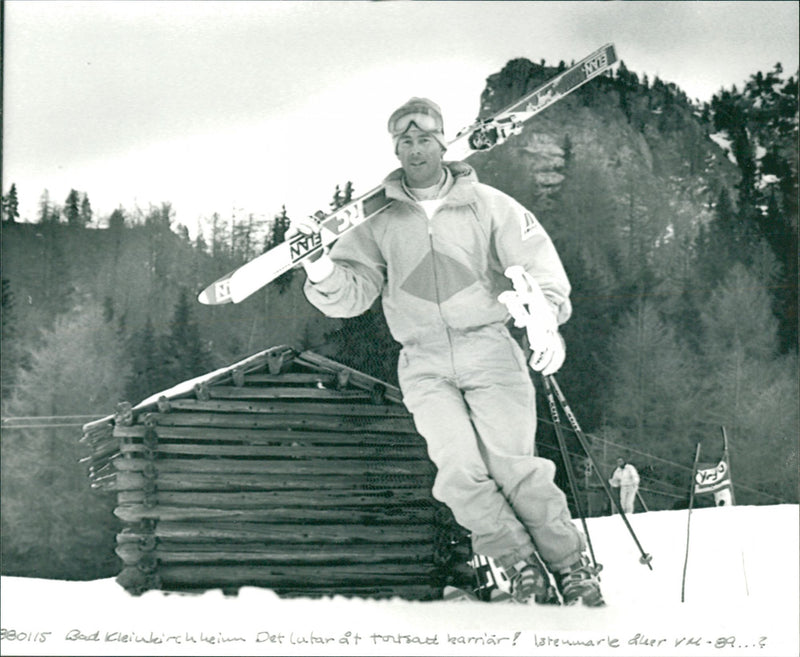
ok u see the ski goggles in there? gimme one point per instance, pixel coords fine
(421, 116)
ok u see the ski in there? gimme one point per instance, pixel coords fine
(481, 135)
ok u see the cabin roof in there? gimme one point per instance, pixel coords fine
(269, 368)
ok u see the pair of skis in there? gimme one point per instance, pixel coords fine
(482, 135)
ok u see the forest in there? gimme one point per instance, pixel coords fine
(676, 222)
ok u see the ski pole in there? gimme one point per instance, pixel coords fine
(689, 519)
(641, 500)
(645, 558)
(562, 445)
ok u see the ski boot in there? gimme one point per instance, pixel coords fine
(530, 579)
(580, 583)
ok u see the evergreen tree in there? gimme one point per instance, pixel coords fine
(200, 242)
(160, 243)
(159, 218)
(10, 205)
(718, 245)
(186, 355)
(148, 374)
(342, 197)
(336, 202)
(46, 209)
(85, 211)
(219, 240)
(245, 238)
(183, 233)
(116, 220)
(72, 209)
(348, 193)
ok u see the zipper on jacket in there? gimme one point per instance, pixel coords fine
(447, 329)
(433, 267)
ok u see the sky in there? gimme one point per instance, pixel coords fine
(724, 581)
(242, 107)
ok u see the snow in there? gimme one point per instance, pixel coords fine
(741, 598)
(185, 387)
(724, 142)
(766, 180)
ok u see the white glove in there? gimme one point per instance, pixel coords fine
(530, 309)
(318, 266)
(549, 355)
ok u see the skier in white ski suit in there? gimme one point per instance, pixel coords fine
(437, 256)
(626, 478)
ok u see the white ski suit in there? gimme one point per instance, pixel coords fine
(626, 478)
(463, 377)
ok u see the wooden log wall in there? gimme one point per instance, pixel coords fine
(293, 473)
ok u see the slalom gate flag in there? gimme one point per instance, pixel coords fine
(716, 479)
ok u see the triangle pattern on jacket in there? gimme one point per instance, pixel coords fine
(437, 278)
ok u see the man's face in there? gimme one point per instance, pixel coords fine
(620, 463)
(421, 157)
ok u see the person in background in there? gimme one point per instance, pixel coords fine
(437, 256)
(626, 478)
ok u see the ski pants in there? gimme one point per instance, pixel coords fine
(473, 402)
(627, 496)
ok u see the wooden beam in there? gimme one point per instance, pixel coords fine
(269, 435)
(284, 499)
(285, 467)
(279, 554)
(234, 405)
(357, 378)
(294, 575)
(421, 592)
(293, 451)
(307, 423)
(221, 530)
(411, 515)
(199, 481)
(286, 393)
(308, 378)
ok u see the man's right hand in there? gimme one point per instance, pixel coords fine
(306, 226)
(318, 266)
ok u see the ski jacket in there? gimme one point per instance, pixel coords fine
(624, 476)
(444, 272)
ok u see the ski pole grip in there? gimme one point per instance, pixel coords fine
(516, 307)
(517, 275)
(529, 291)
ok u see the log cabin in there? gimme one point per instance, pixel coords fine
(286, 470)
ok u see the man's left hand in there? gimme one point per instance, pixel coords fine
(548, 354)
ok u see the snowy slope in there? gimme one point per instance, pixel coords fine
(741, 598)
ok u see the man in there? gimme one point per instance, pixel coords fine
(626, 478)
(437, 256)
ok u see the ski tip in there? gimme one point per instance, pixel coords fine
(215, 294)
